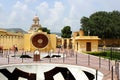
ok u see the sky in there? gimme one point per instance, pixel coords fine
(53, 14)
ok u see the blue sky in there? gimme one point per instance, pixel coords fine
(53, 14)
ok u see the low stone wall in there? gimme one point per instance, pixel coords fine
(109, 42)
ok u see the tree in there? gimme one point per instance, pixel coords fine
(102, 24)
(66, 32)
(44, 29)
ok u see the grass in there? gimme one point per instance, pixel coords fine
(114, 55)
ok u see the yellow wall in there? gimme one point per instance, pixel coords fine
(58, 42)
(23, 41)
(67, 39)
(78, 37)
(27, 42)
(82, 45)
(29, 47)
(52, 44)
(7, 41)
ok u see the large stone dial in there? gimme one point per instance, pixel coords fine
(40, 40)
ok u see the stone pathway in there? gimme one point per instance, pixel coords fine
(80, 59)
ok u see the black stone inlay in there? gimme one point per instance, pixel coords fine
(89, 75)
(67, 75)
(25, 56)
(53, 56)
(18, 73)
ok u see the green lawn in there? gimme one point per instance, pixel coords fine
(114, 55)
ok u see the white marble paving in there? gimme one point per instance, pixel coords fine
(40, 68)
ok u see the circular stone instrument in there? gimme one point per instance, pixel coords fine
(39, 40)
(45, 71)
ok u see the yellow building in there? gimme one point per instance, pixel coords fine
(79, 42)
(83, 43)
(36, 39)
(27, 41)
(30, 40)
(9, 39)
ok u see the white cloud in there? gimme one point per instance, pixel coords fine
(30, 1)
(12, 17)
(80, 8)
(43, 8)
(0, 7)
(54, 14)
(51, 16)
(20, 6)
(55, 17)
(3, 16)
(67, 21)
(17, 12)
(20, 16)
(73, 15)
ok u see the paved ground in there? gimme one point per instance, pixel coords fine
(81, 59)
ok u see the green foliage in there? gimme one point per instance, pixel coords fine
(102, 24)
(66, 32)
(44, 29)
(98, 53)
(107, 54)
